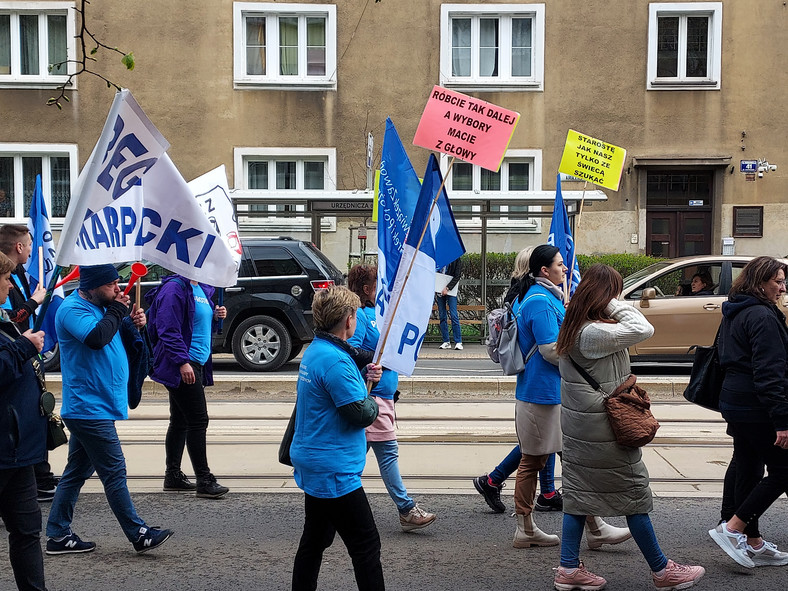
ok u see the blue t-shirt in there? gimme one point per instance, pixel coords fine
(327, 452)
(539, 316)
(366, 337)
(200, 347)
(94, 381)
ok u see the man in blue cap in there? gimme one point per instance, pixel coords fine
(95, 372)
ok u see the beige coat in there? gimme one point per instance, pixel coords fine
(601, 477)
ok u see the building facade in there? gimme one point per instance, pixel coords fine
(285, 94)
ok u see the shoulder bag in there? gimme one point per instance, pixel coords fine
(705, 383)
(287, 441)
(628, 410)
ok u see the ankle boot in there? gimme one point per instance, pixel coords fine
(527, 534)
(598, 532)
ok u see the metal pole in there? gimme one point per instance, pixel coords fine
(483, 267)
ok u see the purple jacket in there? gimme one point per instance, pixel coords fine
(170, 322)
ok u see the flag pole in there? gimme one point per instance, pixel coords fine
(582, 200)
(220, 321)
(410, 267)
(42, 310)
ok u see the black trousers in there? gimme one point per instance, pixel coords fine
(22, 517)
(351, 517)
(753, 445)
(188, 425)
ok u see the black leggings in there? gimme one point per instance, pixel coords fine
(351, 517)
(753, 447)
(188, 426)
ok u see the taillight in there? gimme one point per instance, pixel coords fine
(322, 284)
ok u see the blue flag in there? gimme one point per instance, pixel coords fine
(561, 237)
(38, 224)
(404, 326)
(397, 195)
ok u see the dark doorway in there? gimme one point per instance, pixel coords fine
(678, 213)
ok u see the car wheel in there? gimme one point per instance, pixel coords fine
(261, 343)
(295, 350)
(52, 359)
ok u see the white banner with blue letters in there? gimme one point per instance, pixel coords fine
(131, 203)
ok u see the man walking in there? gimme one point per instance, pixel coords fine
(17, 245)
(95, 371)
(446, 299)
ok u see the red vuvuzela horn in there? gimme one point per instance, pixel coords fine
(73, 275)
(137, 270)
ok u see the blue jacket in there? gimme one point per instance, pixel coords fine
(170, 322)
(22, 428)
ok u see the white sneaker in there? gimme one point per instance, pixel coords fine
(733, 543)
(458, 346)
(767, 555)
(446, 345)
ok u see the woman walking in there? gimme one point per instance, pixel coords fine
(754, 354)
(329, 451)
(601, 477)
(381, 435)
(539, 310)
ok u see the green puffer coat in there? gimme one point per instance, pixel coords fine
(601, 477)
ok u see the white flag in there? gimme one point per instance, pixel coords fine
(213, 195)
(131, 203)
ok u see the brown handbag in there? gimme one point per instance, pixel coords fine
(628, 410)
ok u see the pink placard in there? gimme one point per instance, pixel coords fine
(468, 128)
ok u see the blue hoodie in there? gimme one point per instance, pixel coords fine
(754, 354)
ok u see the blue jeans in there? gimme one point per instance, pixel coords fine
(509, 464)
(22, 517)
(451, 302)
(639, 525)
(387, 454)
(93, 446)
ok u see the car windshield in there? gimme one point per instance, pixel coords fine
(631, 280)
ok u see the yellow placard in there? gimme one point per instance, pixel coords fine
(592, 160)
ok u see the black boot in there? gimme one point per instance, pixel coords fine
(208, 488)
(178, 482)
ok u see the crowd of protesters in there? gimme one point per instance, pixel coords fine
(346, 405)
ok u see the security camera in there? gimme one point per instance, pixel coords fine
(761, 169)
(772, 167)
(760, 174)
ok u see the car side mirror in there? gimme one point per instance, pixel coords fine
(648, 294)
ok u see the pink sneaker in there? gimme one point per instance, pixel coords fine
(581, 579)
(678, 576)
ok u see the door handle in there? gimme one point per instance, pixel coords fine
(711, 306)
(235, 289)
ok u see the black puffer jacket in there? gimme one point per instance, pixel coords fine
(22, 428)
(754, 353)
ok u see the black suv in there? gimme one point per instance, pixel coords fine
(269, 310)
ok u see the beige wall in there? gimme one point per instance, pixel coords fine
(388, 59)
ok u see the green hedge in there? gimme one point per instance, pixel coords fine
(500, 265)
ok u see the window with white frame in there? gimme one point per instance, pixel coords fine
(485, 46)
(278, 171)
(521, 171)
(19, 166)
(36, 40)
(284, 46)
(684, 45)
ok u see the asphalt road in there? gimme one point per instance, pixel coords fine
(248, 541)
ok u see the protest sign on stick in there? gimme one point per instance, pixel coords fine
(468, 128)
(592, 160)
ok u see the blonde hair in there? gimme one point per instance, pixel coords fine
(6, 264)
(521, 262)
(331, 306)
